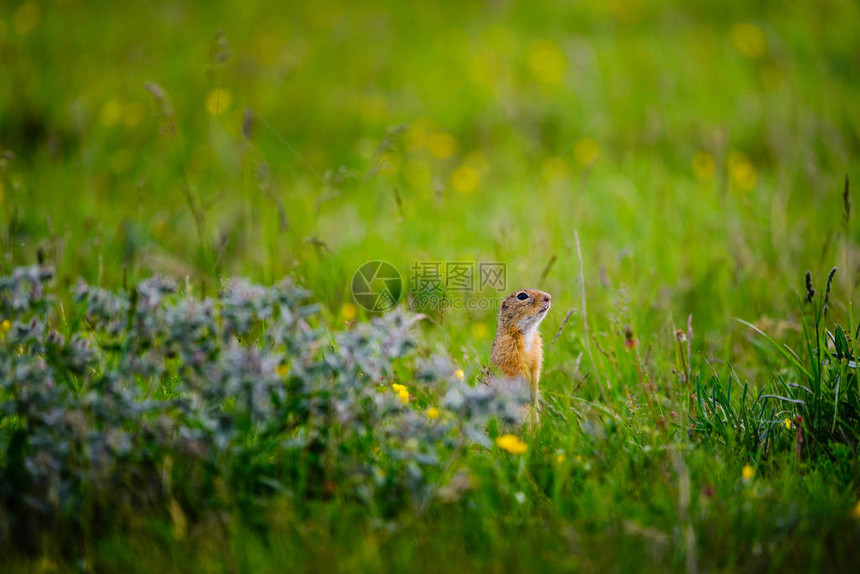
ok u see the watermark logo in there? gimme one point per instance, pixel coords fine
(433, 285)
(377, 286)
(457, 276)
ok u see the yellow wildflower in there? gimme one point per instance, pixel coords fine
(747, 473)
(586, 151)
(745, 176)
(787, 423)
(749, 40)
(459, 374)
(111, 113)
(547, 62)
(441, 145)
(511, 443)
(402, 392)
(26, 18)
(742, 172)
(432, 413)
(479, 330)
(560, 458)
(282, 370)
(218, 101)
(6, 325)
(703, 165)
(465, 179)
(349, 311)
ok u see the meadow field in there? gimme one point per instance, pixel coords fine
(188, 381)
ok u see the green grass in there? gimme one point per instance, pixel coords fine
(583, 116)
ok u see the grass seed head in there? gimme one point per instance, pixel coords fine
(810, 290)
(827, 289)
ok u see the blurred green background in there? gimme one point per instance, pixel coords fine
(699, 149)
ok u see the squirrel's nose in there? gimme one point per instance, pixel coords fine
(547, 297)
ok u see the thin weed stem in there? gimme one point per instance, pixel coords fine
(585, 314)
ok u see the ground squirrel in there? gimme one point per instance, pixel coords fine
(518, 347)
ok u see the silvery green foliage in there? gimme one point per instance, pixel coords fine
(24, 290)
(429, 369)
(107, 311)
(504, 399)
(245, 387)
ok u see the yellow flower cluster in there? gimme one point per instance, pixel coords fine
(748, 473)
(114, 112)
(466, 177)
(402, 392)
(432, 413)
(511, 443)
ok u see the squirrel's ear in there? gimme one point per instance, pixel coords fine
(504, 305)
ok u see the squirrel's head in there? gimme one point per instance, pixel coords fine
(524, 309)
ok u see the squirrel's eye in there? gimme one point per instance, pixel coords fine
(522, 296)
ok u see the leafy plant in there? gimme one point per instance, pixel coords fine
(816, 399)
(734, 414)
(154, 399)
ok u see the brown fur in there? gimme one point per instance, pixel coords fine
(518, 347)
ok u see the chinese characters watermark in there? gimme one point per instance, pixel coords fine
(377, 285)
